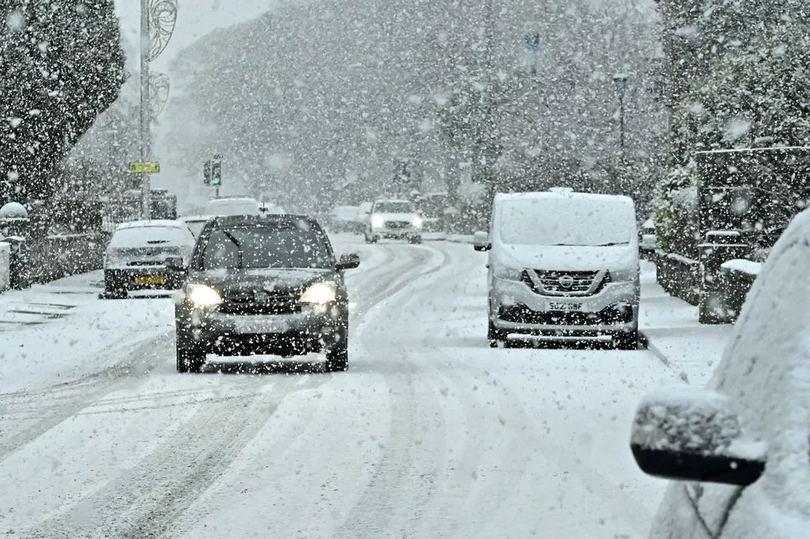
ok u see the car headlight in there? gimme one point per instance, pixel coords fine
(417, 222)
(204, 296)
(377, 221)
(319, 294)
(505, 272)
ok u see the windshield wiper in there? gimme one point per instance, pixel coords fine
(611, 244)
(238, 246)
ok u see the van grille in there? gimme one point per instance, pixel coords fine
(564, 283)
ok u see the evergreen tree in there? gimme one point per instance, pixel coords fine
(62, 65)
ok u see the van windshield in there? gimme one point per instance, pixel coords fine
(566, 221)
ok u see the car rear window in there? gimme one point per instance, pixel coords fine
(282, 246)
(150, 235)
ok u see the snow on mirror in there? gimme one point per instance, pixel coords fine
(481, 241)
(694, 435)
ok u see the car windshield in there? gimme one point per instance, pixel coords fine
(150, 236)
(261, 247)
(572, 222)
(394, 207)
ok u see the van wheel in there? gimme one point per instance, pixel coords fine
(626, 341)
(495, 336)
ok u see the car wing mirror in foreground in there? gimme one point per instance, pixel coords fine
(481, 241)
(694, 435)
(348, 261)
(175, 263)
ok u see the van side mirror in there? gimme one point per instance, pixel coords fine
(175, 263)
(481, 241)
(694, 435)
(348, 261)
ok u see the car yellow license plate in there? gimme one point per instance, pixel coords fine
(149, 279)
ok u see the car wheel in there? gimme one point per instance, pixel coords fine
(495, 336)
(337, 355)
(626, 341)
(190, 354)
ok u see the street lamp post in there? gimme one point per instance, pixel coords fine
(620, 79)
(145, 110)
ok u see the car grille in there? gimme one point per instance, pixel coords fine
(564, 283)
(260, 303)
(397, 224)
(521, 314)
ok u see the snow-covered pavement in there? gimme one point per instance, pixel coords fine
(429, 434)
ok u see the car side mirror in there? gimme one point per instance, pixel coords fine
(348, 261)
(481, 241)
(694, 435)
(175, 263)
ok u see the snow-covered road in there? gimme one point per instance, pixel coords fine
(430, 433)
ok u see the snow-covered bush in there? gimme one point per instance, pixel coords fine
(674, 226)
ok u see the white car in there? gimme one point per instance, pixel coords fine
(739, 449)
(396, 219)
(136, 257)
(195, 223)
(232, 206)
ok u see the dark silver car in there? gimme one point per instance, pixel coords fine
(260, 284)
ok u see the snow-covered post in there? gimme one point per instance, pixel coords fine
(145, 111)
(158, 18)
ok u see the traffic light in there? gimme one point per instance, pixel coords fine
(207, 173)
(216, 173)
(216, 170)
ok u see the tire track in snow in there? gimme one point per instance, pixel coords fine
(41, 410)
(400, 483)
(144, 501)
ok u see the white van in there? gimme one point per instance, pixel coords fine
(563, 265)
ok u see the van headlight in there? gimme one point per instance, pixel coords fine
(417, 222)
(507, 273)
(319, 294)
(203, 296)
(377, 221)
(621, 276)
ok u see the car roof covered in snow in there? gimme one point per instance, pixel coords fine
(261, 220)
(392, 200)
(165, 223)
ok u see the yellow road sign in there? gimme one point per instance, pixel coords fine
(144, 167)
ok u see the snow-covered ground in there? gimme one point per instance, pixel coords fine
(429, 434)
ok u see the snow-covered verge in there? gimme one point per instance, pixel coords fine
(675, 334)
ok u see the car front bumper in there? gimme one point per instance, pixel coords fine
(515, 308)
(307, 330)
(396, 233)
(141, 278)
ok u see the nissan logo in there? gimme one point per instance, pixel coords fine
(566, 281)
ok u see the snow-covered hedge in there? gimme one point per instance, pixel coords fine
(5, 270)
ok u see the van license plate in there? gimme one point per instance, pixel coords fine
(567, 307)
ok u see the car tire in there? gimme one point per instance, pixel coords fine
(337, 355)
(190, 354)
(495, 336)
(626, 341)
